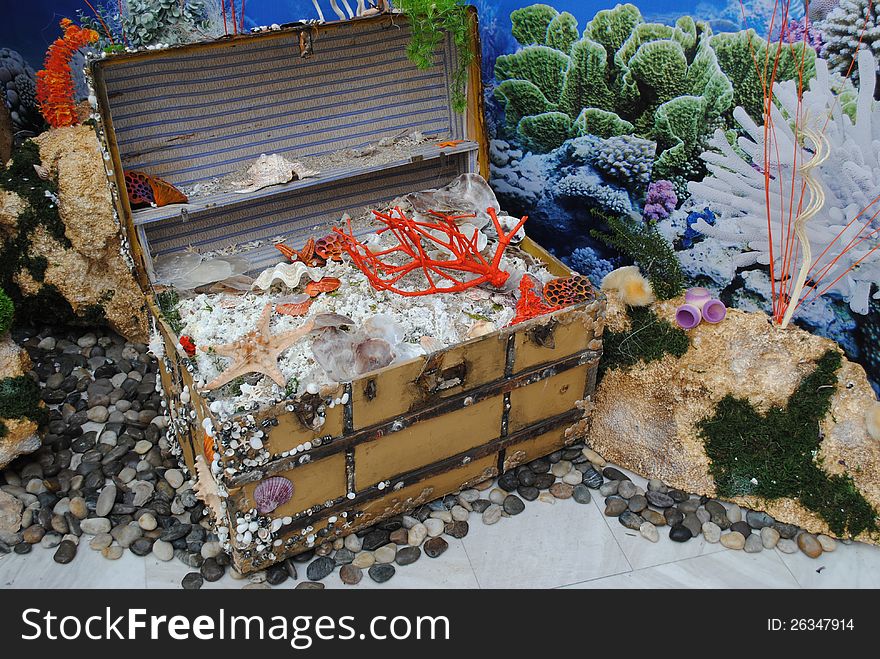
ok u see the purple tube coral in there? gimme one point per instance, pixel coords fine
(660, 200)
(699, 305)
(687, 316)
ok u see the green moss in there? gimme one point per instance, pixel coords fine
(648, 339)
(20, 397)
(773, 454)
(645, 245)
(40, 210)
(3, 430)
(7, 312)
(168, 301)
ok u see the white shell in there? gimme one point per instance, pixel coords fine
(289, 274)
(273, 170)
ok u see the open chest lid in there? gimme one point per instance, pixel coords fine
(317, 94)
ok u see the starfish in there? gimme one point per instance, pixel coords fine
(257, 351)
(449, 143)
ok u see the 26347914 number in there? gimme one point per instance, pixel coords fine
(810, 624)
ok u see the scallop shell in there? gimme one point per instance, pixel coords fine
(271, 493)
(325, 285)
(295, 305)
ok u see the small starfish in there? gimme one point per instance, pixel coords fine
(257, 351)
(449, 143)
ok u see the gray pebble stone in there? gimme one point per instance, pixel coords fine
(408, 555)
(492, 514)
(192, 581)
(95, 525)
(106, 499)
(608, 488)
(581, 494)
(649, 531)
(350, 574)
(162, 550)
(630, 520)
(711, 532)
(753, 544)
(434, 547)
(381, 573)
(626, 489)
(787, 546)
(513, 505)
(734, 514)
(101, 541)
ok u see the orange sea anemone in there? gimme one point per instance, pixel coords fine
(55, 81)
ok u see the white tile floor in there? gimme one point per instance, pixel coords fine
(547, 546)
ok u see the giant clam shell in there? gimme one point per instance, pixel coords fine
(271, 493)
(288, 274)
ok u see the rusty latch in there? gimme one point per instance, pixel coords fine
(305, 44)
(433, 379)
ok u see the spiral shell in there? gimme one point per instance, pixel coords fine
(271, 493)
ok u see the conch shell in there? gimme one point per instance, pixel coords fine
(273, 170)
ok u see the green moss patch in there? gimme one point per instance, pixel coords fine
(20, 397)
(168, 301)
(648, 339)
(773, 455)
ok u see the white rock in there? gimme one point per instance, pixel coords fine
(163, 550)
(434, 526)
(416, 535)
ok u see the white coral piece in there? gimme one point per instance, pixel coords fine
(850, 178)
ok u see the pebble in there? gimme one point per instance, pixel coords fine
(289, 565)
(492, 514)
(384, 554)
(769, 537)
(711, 532)
(787, 546)
(435, 546)
(351, 574)
(211, 549)
(626, 489)
(434, 526)
(343, 556)
(630, 520)
(638, 503)
(51, 540)
(809, 544)
(753, 544)
(353, 543)
(457, 529)
(574, 477)
(693, 524)
(174, 478)
(162, 550)
(653, 516)
(147, 522)
(787, 531)
(560, 468)
(593, 457)
(581, 493)
(101, 541)
(827, 543)
(320, 568)
(309, 585)
(381, 573)
(33, 534)
(364, 559)
(703, 515)
(614, 507)
(733, 540)
(734, 514)
(469, 495)
(400, 536)
(211, 570)
(459, 514)
(689, 506)
(758, 520)
(497, 496)
(561, 490)
(408, 555)
(656, 485)
(65, 553)
(608, 488)
(106, 499)
(141, 546)
(98, 414)
(416, 535)
(742, 527)
(513, 505)
(679, 533)
(593, 479)
(113, 552)
(659, 499)
(277, 575)
(192, 581)
(78, 508)
(649, 531)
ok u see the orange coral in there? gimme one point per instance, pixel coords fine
(55, 81)
(530, 305)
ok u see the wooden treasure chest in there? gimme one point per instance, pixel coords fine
(319, 462)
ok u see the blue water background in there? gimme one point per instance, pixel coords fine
(29, 27)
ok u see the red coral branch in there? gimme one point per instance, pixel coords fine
(55, 81)
(416, 239)
(530, 304)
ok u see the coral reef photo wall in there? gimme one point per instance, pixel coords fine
(615, 127)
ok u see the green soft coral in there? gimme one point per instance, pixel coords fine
(738, 53)
(624, 76)
(530, 23)
(545, 132)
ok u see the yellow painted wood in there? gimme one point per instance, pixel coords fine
(313, 484)
(546, 398)
(427, 442)
(392, 391)
(570, 336)
(290, 431)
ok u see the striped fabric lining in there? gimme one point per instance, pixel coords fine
(296, 216)
(306, 107)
